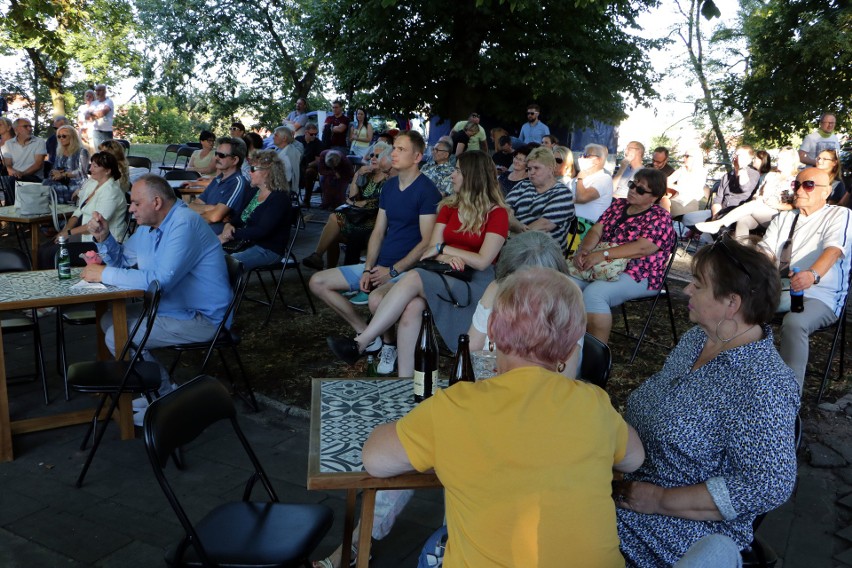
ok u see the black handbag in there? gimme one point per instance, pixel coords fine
(443, 270)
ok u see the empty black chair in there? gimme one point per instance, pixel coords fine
(184, 152)
(181, 175)
(225, 337)
(125, 143)
(13, 260)
(596, 363)
(242, 533)
(111, 379)
(169, 164)
(139, 162)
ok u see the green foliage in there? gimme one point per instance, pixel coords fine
(158, 121)
(800, 65)
(579, 61)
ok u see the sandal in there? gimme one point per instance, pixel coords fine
(324, 563)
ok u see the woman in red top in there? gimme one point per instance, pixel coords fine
(471, 228)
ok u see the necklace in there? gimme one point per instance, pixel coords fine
(729, 339)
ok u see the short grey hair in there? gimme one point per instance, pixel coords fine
(599, 149)
(19, 120)
(286, 132)
(333, 159)
(158, 187)
(532, 248)
(61, 117)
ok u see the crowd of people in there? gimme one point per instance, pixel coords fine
(533, 249)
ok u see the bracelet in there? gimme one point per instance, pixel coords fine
(366, 270)
(440, 247)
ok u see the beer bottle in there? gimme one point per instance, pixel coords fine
(462, 366)
(425, 360)
(371, 366)
(797, 298)
(63, 259)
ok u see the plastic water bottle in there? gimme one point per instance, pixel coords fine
(797, 298)
(63, 260)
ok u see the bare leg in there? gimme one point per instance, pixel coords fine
(325, 285)
(409, 330)
(390, 307)
(666, 203)
(332, 256)
(329, 236)
(599, 325)
(376, 297)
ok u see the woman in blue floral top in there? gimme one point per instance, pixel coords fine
(717, 421)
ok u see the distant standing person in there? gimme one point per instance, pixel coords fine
(819, 140)
(84, 122)
(101, 112)
(361, 135)
(534, 130)
(298, 119)
(477, 141)
(335, 128)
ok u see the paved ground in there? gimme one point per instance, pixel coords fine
(120, 518)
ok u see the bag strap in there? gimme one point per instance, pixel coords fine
(787, 247)
(452, 299)
(53, 202)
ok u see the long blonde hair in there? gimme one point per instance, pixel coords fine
(117, 150)
(479, 191)
(73, 146)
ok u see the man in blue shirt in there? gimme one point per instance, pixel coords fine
(229, 192)
(174, 246)
(534, 129)
(406, 217)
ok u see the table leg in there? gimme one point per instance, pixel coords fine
(365, 537)
(119, 323)
(34, 230)
(348, 526)
(6, 453)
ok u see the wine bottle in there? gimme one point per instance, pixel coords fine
(425, 360)
(462, 365)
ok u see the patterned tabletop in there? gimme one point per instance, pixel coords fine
(349, 410)
(10, 213)
(44, 284)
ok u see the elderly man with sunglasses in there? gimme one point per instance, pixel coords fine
(816, 238)
(228, 193)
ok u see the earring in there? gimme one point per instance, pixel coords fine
(560, 367)
(491, 346)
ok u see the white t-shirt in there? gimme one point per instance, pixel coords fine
(831, 226)
(813, 144)
(104, 123)
(23, 157)
(688, 184)
(602, 183)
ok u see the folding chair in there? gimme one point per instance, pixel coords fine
(224, 337)
(596, 364)
(170, 149)
(13, 260)
(139, 162)
(125, 143)
(111, 379)
(662, 292)
(242, 533)
(838, 328)
(288, 261)
(181, 175)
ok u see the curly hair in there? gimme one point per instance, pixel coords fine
(479, 191)
(276, 180)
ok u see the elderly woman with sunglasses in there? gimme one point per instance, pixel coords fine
(71, 167)
(636, 228)
(264, 222)
(717, 421)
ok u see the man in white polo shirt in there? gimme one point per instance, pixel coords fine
(24, 154)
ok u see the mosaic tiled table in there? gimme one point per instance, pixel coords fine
(41, 289)
(12, 215)
(343, 413)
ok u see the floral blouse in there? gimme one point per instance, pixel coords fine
(655, 224)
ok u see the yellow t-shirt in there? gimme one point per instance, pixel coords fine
(477, 141)
(526, 462)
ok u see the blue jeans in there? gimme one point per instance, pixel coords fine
(255, 256)
(100, 136)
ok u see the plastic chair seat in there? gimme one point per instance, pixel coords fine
(79, 317)
(107, 376)
(17, 324)
(250, 534)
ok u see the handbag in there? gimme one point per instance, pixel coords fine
(237, 245)
(442, 269)
(357, 216)
(609, 271)
(33, 199)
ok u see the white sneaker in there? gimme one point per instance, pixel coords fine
(140, 403)
(387, 360)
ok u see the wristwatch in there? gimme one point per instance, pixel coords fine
(393, 272)
(606, 256)
(816, 275)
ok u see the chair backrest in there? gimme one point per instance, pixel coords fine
(293, 224)
(186, 151)
(596, 363)
(14, 260)
(150, 304)
(196, 145)
(238, 277)
(181, 175)
(171, 149)
(139, 162)
(124, 143)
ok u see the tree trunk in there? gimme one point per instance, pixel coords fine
(53, 80)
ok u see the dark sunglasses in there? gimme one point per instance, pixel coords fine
(559, 160)
(808, 185)
(591, 156)
(376, 156)
(63, 136)
(721, 245)
(531, 113)
(223, 156)
(257, 168)
(641, 190)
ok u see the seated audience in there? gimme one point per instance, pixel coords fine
(686, 186)
(353, 222)
(561, 489)
(253, 143)
(290, 155)
(820, 245)
(439, 169)
(470, 230)
(297, 120)
(549, 141)
(496, 134)
(24, 154)
(264, 224)
(51, 143)
(632, 163)
(115, 148)
(636, 228)
(660, 160)
(202, 161)
(225, 196)
(593, 185)
(762, 162)
(717, 421)
(238, 130)
(768, 200)
(517, 172)
(541, 203)
(71, 165)
(829, 162)
(503, 156)
(736, 187)
(823, 138)
(361, 134)
(7, 131)
(477, 141)
(564, 170)
(336, 173)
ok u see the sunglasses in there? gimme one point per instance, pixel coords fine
(376, 156)
(63, 136)
(641, 190)
(808, 185)
(531, 113)
(591, 156)
(559, 160)
(721, 245)
(223, 156)
(257, 168)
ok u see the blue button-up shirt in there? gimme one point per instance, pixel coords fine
(183, 254)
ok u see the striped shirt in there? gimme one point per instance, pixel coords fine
(233, 191)
(556, 205)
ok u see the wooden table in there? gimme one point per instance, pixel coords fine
(191, 191)
(12, 215)
(343, 413)
(40, 289)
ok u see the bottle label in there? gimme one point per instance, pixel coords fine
(424, 386)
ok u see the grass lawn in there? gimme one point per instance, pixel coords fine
(154, 152)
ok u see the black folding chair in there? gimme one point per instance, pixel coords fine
(242, 533)
(170, 149)
(139, 162)
(838, 329)
(596, 364)
(111, 379)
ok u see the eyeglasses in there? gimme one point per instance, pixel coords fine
(720, 242)
(63, 136)
(808, 185)
(376, 156)
(640, 189)
(26, 125)
(587, 155)
(474, 115)
(821, 159)
(222, 155)
(257, 168)
(438, 150)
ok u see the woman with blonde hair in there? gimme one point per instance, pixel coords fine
(471, 228)
(564, 170)
(115, 148)
(71, 167)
